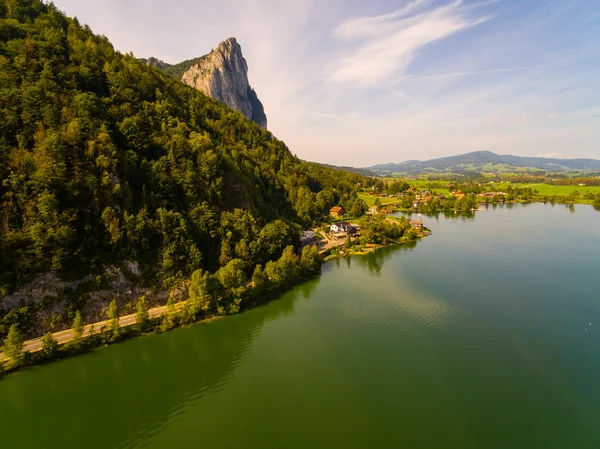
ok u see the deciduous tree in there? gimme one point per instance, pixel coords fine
(49, 344)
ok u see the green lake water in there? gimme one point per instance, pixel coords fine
(476, 337)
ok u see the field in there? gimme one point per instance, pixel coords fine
(549, 190)
(424, 184)
(370, 199)
(543, 189)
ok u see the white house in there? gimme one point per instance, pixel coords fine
(343, 227)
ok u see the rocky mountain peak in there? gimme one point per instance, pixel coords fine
(223, 75)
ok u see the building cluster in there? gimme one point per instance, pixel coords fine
(416, 223)
(490, 194)
(343, 229)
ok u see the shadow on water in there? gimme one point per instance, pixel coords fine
(122, 395)
(374, 261)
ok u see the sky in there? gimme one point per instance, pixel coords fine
(356, 82)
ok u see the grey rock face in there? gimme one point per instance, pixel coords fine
(223, 75)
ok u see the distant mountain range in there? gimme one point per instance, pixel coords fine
(486, 161)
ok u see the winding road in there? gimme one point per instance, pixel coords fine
(65, 336)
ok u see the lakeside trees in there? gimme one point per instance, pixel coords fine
(230, 289)
(375, 229)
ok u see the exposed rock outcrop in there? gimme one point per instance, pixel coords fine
(119, 282)
(223, 75)
(155, 62)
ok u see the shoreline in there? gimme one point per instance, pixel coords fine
(101, 337)
(97, 335)
(373, 249)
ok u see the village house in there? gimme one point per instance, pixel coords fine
(343, 228)
(336, 211)
(416, 223)
(308, 238)
(415, 204)
(373, 210)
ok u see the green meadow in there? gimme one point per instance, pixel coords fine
(370, 199)
(550, 190)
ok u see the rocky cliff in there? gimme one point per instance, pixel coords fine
(223, 75)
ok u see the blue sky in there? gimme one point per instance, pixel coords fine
(354, 82)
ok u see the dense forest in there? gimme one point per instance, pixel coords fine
(104, 159)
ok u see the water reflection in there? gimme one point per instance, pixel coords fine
(374, 261)
(446, 215)
(132, 390)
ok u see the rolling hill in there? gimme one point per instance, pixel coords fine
(486, 161)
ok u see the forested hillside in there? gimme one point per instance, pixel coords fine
(104, 159)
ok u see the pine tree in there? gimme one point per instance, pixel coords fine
(77, 326)
(141, 317)
(13, 344)
(170, 316)
(348, 242)
(113, 316)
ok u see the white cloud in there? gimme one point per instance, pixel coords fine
(390, 42)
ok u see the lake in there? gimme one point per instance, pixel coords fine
(484, 335)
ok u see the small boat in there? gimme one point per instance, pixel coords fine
(419, 215)
(449, 221)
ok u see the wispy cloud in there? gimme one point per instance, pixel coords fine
(470, 73)
(390, 42)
